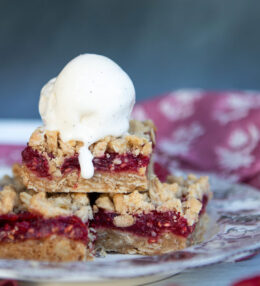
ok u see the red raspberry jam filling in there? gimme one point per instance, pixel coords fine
(36, 162)
(26, 225)
(120, 163)
(70, 164)
(150, 225)
(112, 162)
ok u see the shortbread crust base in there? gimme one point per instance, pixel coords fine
(114, 240)
(53, 249)
(101, 182)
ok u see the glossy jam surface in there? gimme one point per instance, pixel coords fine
(32, 226)
(36, 162)
(70, 164)
(150, 225)
(112, 162)
(119, 163)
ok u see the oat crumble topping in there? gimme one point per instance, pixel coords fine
(140, 139)
(14, 198)
(178, 194)
(8, 200)
(58, 204)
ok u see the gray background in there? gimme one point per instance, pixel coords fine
(161, 44)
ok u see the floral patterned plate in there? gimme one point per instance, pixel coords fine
(233, 232)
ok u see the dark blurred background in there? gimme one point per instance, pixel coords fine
(162, 44)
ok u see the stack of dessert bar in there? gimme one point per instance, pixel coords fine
(48, 211)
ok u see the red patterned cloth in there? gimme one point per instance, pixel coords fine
(8, 283)
(253, 281)
(216, 132)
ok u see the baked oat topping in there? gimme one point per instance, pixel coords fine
(191, 209)
(124, 220)
(139, 141)
(14, 198)
(105, 202)
(193, 186)
(8, 199)
(10, 181)
(9, 194)
(58, 204)
(145, 129)
(180, 195)
(135, 202)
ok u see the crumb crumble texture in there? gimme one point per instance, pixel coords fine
(14, 198)
(182, 196)
(139, 140)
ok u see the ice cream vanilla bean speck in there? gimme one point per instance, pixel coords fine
(91, 98)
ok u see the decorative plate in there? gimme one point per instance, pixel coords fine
(233, 232)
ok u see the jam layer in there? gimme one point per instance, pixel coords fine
(36, 162)
(110, 162)
(26, 225)
(150, 225)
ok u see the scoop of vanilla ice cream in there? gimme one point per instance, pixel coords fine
(91, 98)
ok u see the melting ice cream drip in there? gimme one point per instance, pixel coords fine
(91, 98)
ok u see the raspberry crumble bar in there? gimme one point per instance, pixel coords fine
(86, 180)
(46, 227)
(121, 163)
(168, 217)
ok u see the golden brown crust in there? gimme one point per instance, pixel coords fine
(104, 202)
(9, 194)
(192, 186)
(14, 199)
(124, 220)
(138, 141)
(8, 199)
(101, 182)
(161, 197)
(54, 249)
(112, 240)
(11, 181)
(58, 205)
